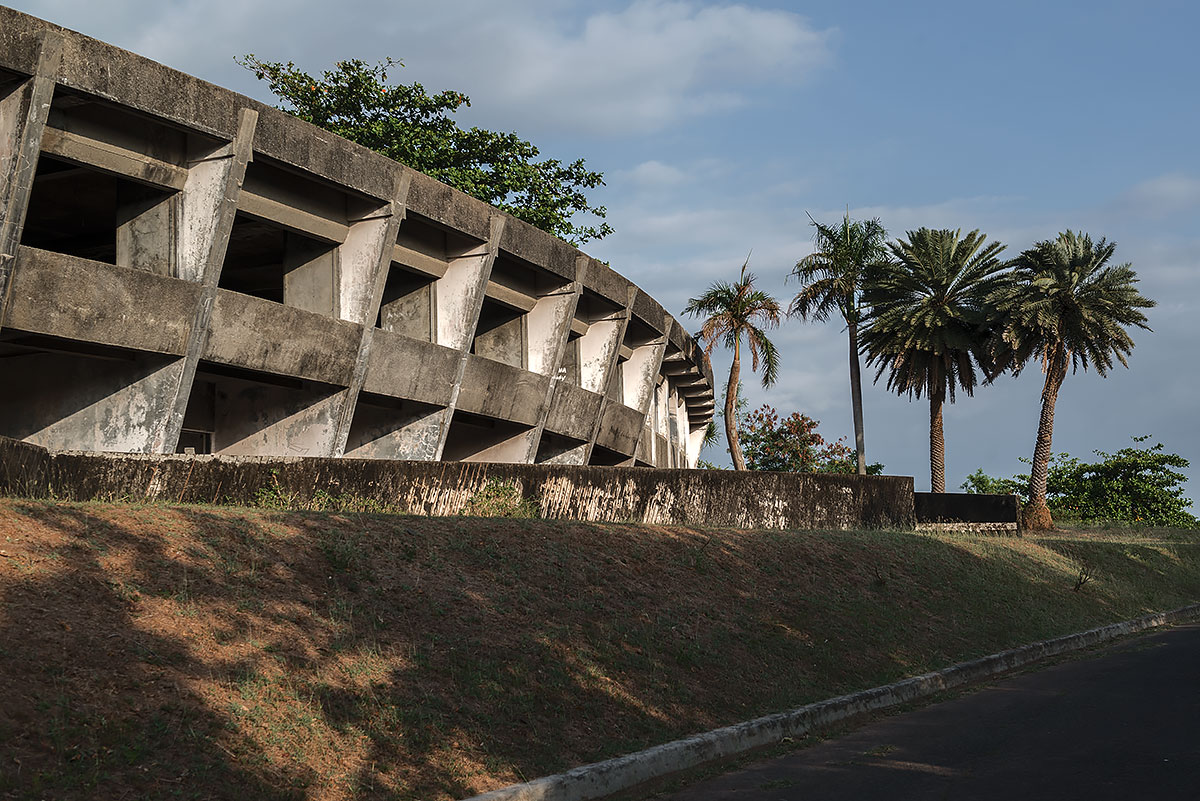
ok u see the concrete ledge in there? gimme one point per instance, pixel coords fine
(1003, 529)
(614, 775)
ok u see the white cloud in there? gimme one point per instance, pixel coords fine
(655, 63)
(538, 65)
(1163, 195)
(652, 175)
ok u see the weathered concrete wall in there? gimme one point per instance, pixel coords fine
(700, 497)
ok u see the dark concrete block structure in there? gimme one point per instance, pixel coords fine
(183, 267)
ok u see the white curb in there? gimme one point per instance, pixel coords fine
(614, 775)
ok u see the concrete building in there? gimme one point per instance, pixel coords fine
(184, 267)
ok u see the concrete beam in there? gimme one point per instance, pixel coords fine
(114, 159)
(421, 262)
(89, 301)
(23, 113)
(299, 220)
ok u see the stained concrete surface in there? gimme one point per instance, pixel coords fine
(1123, 723)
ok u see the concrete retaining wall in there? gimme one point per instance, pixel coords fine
(699, 497)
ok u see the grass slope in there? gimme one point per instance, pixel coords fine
(198, 652)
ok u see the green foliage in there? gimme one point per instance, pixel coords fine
(1062, 296)
(792, 445)
(405, 123)
(1138, 485)
(930, 312)
(1133, 485)
(501, 499)
(980, 483)
(733, 310)
(832, 277)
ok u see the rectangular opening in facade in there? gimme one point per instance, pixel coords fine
(501, 334)
(268, 261)
(594, 334)
(604, 457)
(391, 428)
(409, 305)
(68, 395)
(420, 259)
(475, 438)
(241, 412)
(94, 215)
(568, 370)
(557, 449)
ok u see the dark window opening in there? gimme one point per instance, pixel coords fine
(557, 449)
(194, 442)
(474, 437)
(266, 261)
(82, 212)
(607, 458)
(409, 305)
(501, 335)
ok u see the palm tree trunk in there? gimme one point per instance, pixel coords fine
(731, 393)
(860, 447)
(937, 442)
(1037, 516)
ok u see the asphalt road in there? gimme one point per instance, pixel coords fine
(1121, 724)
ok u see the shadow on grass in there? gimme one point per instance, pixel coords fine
(222, 653)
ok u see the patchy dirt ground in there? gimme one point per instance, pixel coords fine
(198, 652)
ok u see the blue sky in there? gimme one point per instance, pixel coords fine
(719, 125)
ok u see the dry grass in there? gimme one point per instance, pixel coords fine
(197, 652)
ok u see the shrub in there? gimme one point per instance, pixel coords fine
(501, 499)
(1138, 485)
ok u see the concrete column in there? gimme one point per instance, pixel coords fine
(695, 441)
(23, 111)
(365, 259)
(599, 358)
(678, 434)
(549, 325)
(459, 301)
(208, 204)
(641, 378)
(598, 350)
(641, 374)
(460, 291)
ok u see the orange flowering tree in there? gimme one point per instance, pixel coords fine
(792, 445)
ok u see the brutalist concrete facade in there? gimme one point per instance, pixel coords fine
(184, 267)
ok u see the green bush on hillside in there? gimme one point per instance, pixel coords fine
(1138, 485)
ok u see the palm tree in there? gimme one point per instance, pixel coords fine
(928, 322)
(731, 310)
(831, 279)
(1065, 305)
